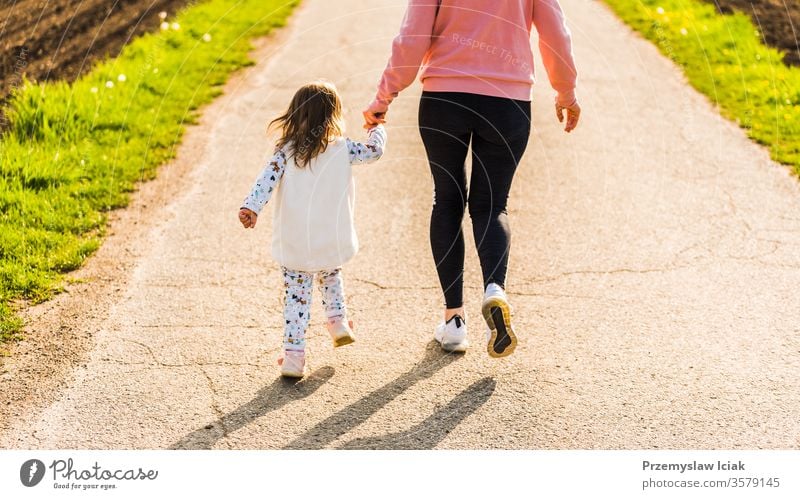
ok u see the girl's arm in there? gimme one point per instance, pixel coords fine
(408, 50)
(266, 183)
(555, 45)
(372, 150)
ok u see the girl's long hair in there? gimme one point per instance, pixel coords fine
(314, 118)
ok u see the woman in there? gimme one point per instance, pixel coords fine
(477, 75)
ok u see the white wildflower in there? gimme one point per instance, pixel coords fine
(122, 78)
(206, 38)
(164, 26)
(109, 84)
(162, 15)
(684, 32)
(660, 10)
(175, 26)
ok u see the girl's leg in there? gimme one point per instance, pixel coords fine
(443, 124)
(332, 289)
(340, 329)
(497, 148)
(296, 308)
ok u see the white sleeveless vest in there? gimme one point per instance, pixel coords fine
(313, 227)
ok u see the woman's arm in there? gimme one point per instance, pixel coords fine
(555, 45)
(408, 50)
(266, 183)
(372, 150)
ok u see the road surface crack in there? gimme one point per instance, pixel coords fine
(158, 362)
(214, 406)
(607, 272)
(385, 287)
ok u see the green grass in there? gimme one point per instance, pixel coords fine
(724, 57)
(75, 151)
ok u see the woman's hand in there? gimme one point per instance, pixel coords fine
(248, 218)
(573, 114)
(375, 114)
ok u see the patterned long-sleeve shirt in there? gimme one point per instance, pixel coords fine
(267, 182)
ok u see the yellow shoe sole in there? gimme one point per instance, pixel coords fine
(343, 340)
(345, 335)
(502, 340)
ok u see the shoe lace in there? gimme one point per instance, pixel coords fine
(459, 320)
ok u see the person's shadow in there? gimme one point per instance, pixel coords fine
(424, 435)
(436, 427)
(268, 399)
(418, 437)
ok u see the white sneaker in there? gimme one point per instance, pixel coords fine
(293, 363)
(452, 335)
(500, 338)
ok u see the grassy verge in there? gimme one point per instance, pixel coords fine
(73, 152)
(724, 57)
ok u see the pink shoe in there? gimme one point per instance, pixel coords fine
(293, 363)
(341, 333)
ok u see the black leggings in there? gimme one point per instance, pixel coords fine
(498, 129)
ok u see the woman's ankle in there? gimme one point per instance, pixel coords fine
(452, 312)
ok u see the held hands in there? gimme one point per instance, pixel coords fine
(372, 119)
(248, 218)
(573, 114)
(374, 115)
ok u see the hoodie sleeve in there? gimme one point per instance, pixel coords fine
(555, 45)
(408, 51)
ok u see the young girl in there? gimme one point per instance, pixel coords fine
(313, 233)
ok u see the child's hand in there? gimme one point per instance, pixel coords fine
(248, 218)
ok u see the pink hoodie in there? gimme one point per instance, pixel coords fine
(481, 47)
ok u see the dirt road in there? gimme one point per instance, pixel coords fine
(654, 271)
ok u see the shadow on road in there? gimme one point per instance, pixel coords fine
(270, 398)
(436, 427)
(336, 425)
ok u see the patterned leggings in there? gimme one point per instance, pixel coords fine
(297, 302)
